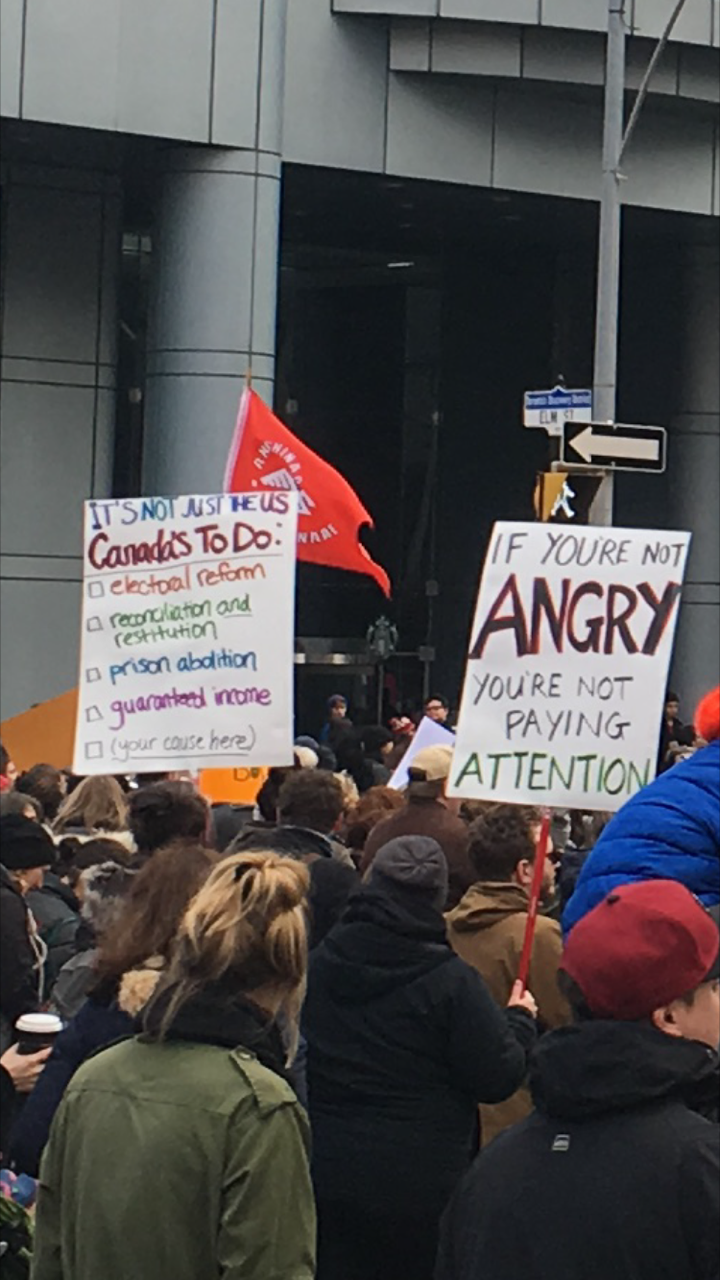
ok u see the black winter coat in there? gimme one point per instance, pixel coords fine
(19, 977)
(613, 1177)
(403, 1042)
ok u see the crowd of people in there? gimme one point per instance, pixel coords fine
(289, 1040)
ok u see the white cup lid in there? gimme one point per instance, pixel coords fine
(39, 1024)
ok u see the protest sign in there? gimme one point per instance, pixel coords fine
(428, 734)
(567, 667)
(187, 633)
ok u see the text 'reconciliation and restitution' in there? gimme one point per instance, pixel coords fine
(187, 633)
(568, 663)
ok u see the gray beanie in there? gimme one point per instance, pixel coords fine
(414, 863)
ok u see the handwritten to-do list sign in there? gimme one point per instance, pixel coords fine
(187, 633)
(568, 663)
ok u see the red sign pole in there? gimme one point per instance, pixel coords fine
(534, 905)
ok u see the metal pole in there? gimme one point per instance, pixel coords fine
(608, 285)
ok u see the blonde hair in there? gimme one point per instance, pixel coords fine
(96, 804)
(351, 795)
(246, 929)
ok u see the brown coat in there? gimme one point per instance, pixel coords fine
(487, 930)
(426, 817)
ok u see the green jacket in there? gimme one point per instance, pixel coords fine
(176, 1161)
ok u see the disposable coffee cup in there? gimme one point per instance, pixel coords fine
(36, 1031)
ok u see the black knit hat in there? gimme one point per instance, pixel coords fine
(24, 844)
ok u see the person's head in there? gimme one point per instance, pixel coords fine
(268, 795)
(647, 953)
(377, 742)
(413, 869)
(429, 772)
(503, 846)
(244, 934)
(155, 905)
(376, 804)
(16, 802)
(672, 705)
(103, 889)
(312, 799)
(437, 708)
(76, 856)
(586, 827)
(47, 785)
(26, 851)
(97, 804)
(305, 757)
(167, 811)
(8, 770)
(337, 707)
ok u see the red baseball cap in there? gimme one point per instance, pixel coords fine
(646, 945)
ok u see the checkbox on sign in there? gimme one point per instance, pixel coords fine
(93, 674)
(93, 750)
(96, 590)
(93, 713)
(94, 624)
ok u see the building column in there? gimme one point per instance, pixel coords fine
(215, 288)
(58, 325)
(694, 477)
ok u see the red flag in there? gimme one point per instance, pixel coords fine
(265, 455)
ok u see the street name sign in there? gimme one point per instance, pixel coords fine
(550, 410)
(605, 447)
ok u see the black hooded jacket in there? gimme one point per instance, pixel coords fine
(403, 1040)
(614, 1177)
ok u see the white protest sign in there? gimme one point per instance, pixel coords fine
(568, 663)
(428, 734)
(187, 633)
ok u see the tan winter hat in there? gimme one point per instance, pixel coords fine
(429, 769)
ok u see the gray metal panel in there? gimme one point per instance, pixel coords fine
(440, 130)
(272, 75)
(548, 145)
(40, 630)
(237, 43)
(178, 459)
(699, 74)
(575, 57)
(694, 26)
(51, 276)
(469, 48)
(410, 45)
(71, 62)
(265, 266)
(51, 428)
(335, 89)
(670, 163)
(411, 7)
(665, 76)
(588, 15)
(11, 18)
(164, 55)
(492, 10)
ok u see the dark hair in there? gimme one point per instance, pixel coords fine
(337, 700)
(268, 795)
(17, 802)
(438, 697)
(75, 856)
(156, 903)
(313, 799)
(167, 811)
(579, 1007)
(45, 784)
(502, 838)
(375, 805)
(4, 759)
(374, 738)
(671, 696)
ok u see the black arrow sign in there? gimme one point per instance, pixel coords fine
(619, 448)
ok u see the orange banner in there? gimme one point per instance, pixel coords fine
(231, 786)
(44, 734)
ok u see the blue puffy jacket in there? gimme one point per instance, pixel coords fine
(668, 831)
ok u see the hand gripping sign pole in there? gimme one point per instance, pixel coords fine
(534, 906)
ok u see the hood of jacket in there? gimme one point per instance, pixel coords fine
(380, 944)
(592, 1068)
(486, 904)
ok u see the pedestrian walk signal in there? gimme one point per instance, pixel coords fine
(563, 497)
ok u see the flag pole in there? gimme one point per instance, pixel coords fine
(248, 378)
(534, 904)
